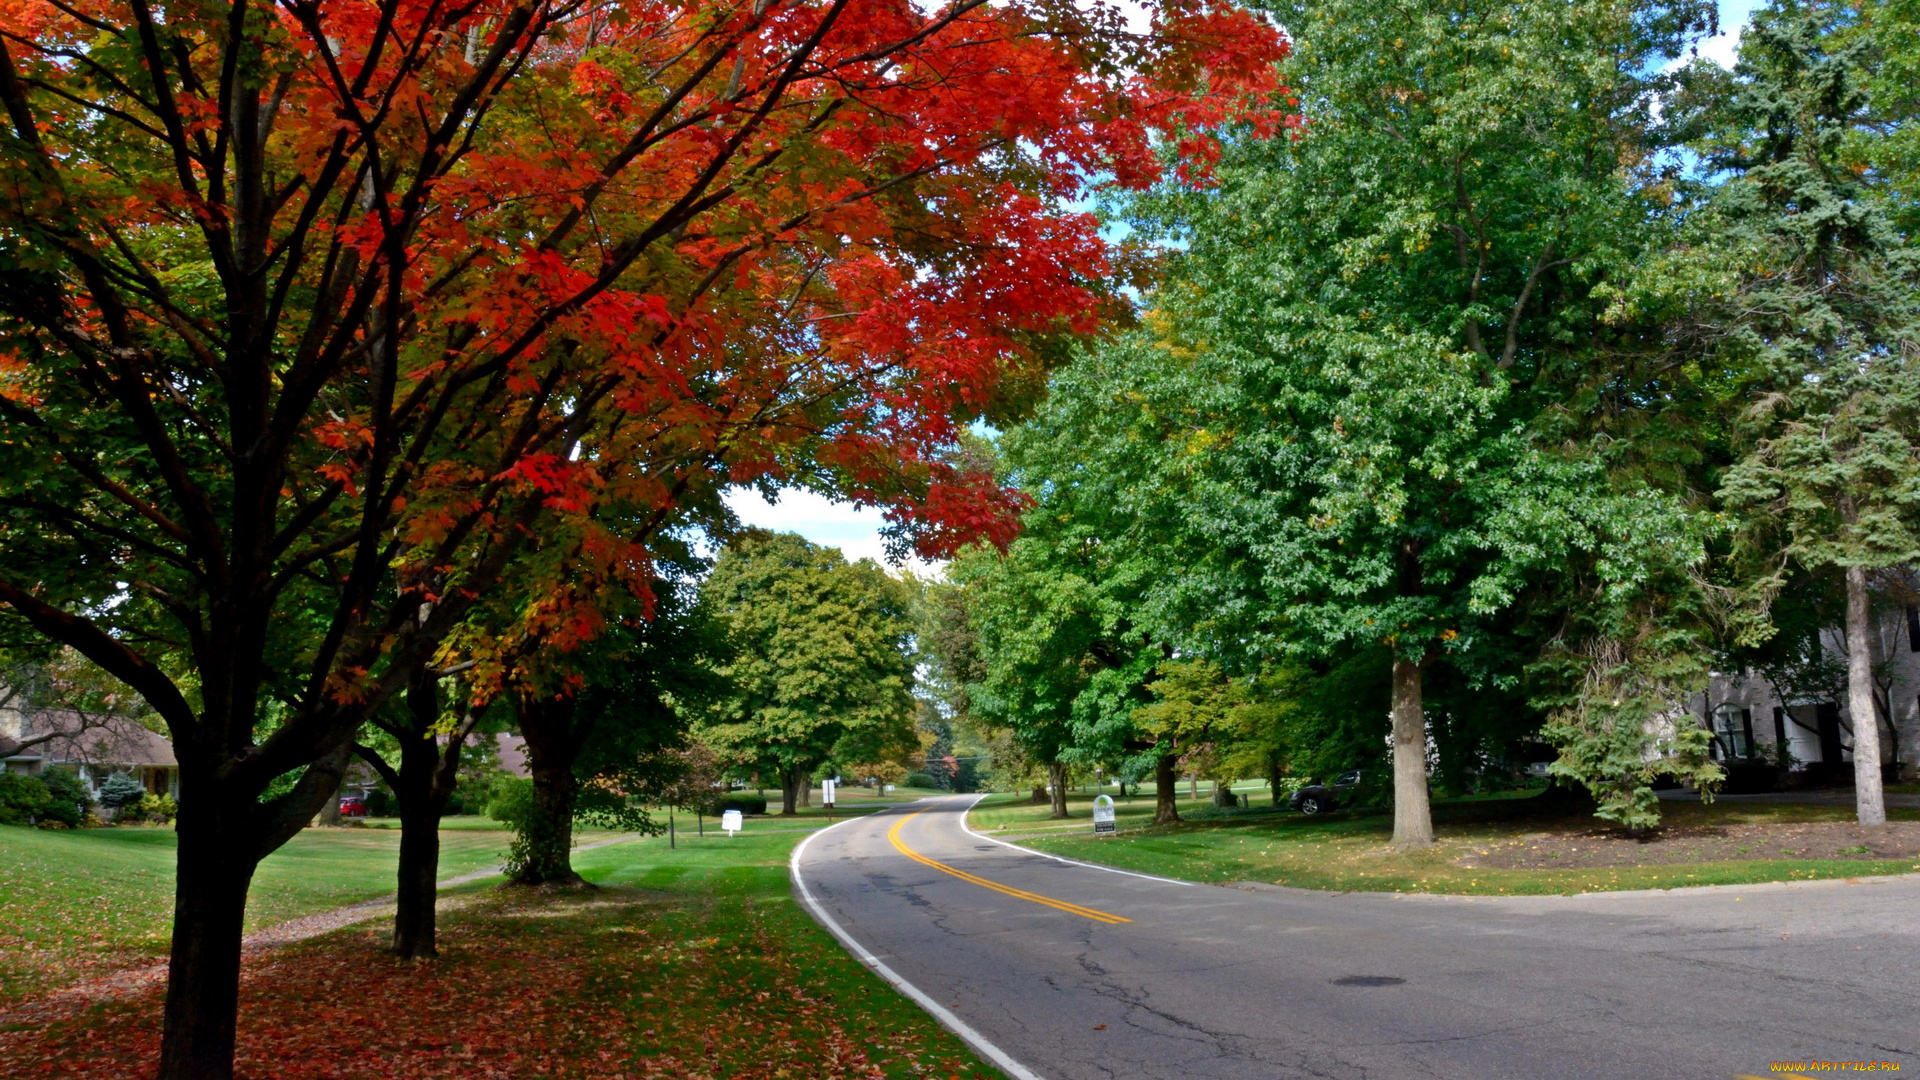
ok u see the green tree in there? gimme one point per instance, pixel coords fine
(1360, 372)
(823, 664)
(1821, 305)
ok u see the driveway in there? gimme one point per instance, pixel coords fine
(1823, 797)
(1065, 971)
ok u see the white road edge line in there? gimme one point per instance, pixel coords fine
(1059, 858)
(981, 1046)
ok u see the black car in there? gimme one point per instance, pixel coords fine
(1317, 798)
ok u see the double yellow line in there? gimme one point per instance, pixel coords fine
(893, 834)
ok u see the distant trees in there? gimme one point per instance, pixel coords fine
(822, 660)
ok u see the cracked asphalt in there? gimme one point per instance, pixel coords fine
(1226, 983)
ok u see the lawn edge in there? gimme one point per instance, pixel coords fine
(979, 1043)
(1267, 886)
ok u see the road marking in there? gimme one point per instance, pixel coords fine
(1061, 858)
(979, 1042)
(893, 834)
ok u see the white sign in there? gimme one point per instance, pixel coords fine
(730, 821)
(1103, 813)
(826, 790)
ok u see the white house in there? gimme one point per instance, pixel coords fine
(1751, 717)
(94, 745)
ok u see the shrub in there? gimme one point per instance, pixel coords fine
(512, 802)
(380, 803)
(22, 798)
(68, 797)
(160, 809)
(746, 804)
(121, 789)
(921, 780)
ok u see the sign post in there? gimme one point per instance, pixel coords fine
(730, 821)
(826, 791)
(1103, 814)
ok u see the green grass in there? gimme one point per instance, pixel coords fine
(733, 965)
(687, 962)
(82, 902)
(1349, 852)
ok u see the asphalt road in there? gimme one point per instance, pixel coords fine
(1078, 972)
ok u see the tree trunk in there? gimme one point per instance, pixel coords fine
(1057, 781)
(804, 787)
(414, 915)
(330, 813)
(1412, 816)
(1166, 790)
(543, 853)
(203, 970)
(1273, 777)
(1869, 799)
(549, 833)
(790, 780)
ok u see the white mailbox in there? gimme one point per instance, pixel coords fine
(1103, 813)
(730, 820)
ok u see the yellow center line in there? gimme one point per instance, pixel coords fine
(893, 834)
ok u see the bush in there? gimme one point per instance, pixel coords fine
(121, 789)
(22, 798)
(512, 802)
(68, 796)
(159, 809)
(921, 780)
(746, 804)
(380, 803)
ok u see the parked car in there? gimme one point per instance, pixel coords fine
(1319, 798)
(351, 806)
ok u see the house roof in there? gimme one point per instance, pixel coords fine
(88, 739)
(513, 754)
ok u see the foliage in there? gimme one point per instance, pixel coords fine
(1623, 729)
(512, 801)
(1824, 308)
(119, 789)
(56, 795)
(159, 809)
(320, 321)
(921, 780)
(23, 798)
(745, 803)
(823, 664)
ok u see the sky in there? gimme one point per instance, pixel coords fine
(856, 530)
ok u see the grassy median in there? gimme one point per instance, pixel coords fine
(1483, 848)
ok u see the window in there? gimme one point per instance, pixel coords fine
(1733, 731)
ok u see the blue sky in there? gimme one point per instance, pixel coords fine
(856, 531)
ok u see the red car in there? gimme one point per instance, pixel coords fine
(352, 807)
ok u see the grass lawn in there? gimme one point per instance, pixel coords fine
(82, 902)
(692, 963)
(1477, 853)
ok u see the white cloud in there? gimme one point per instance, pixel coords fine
(855, 530)
(1723, 48)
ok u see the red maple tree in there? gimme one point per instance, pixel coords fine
(317, 317)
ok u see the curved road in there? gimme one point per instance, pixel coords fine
(1073, 971)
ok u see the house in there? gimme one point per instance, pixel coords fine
(93, 745)
(1754, 714)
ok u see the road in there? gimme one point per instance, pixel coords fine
(1079, 973)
